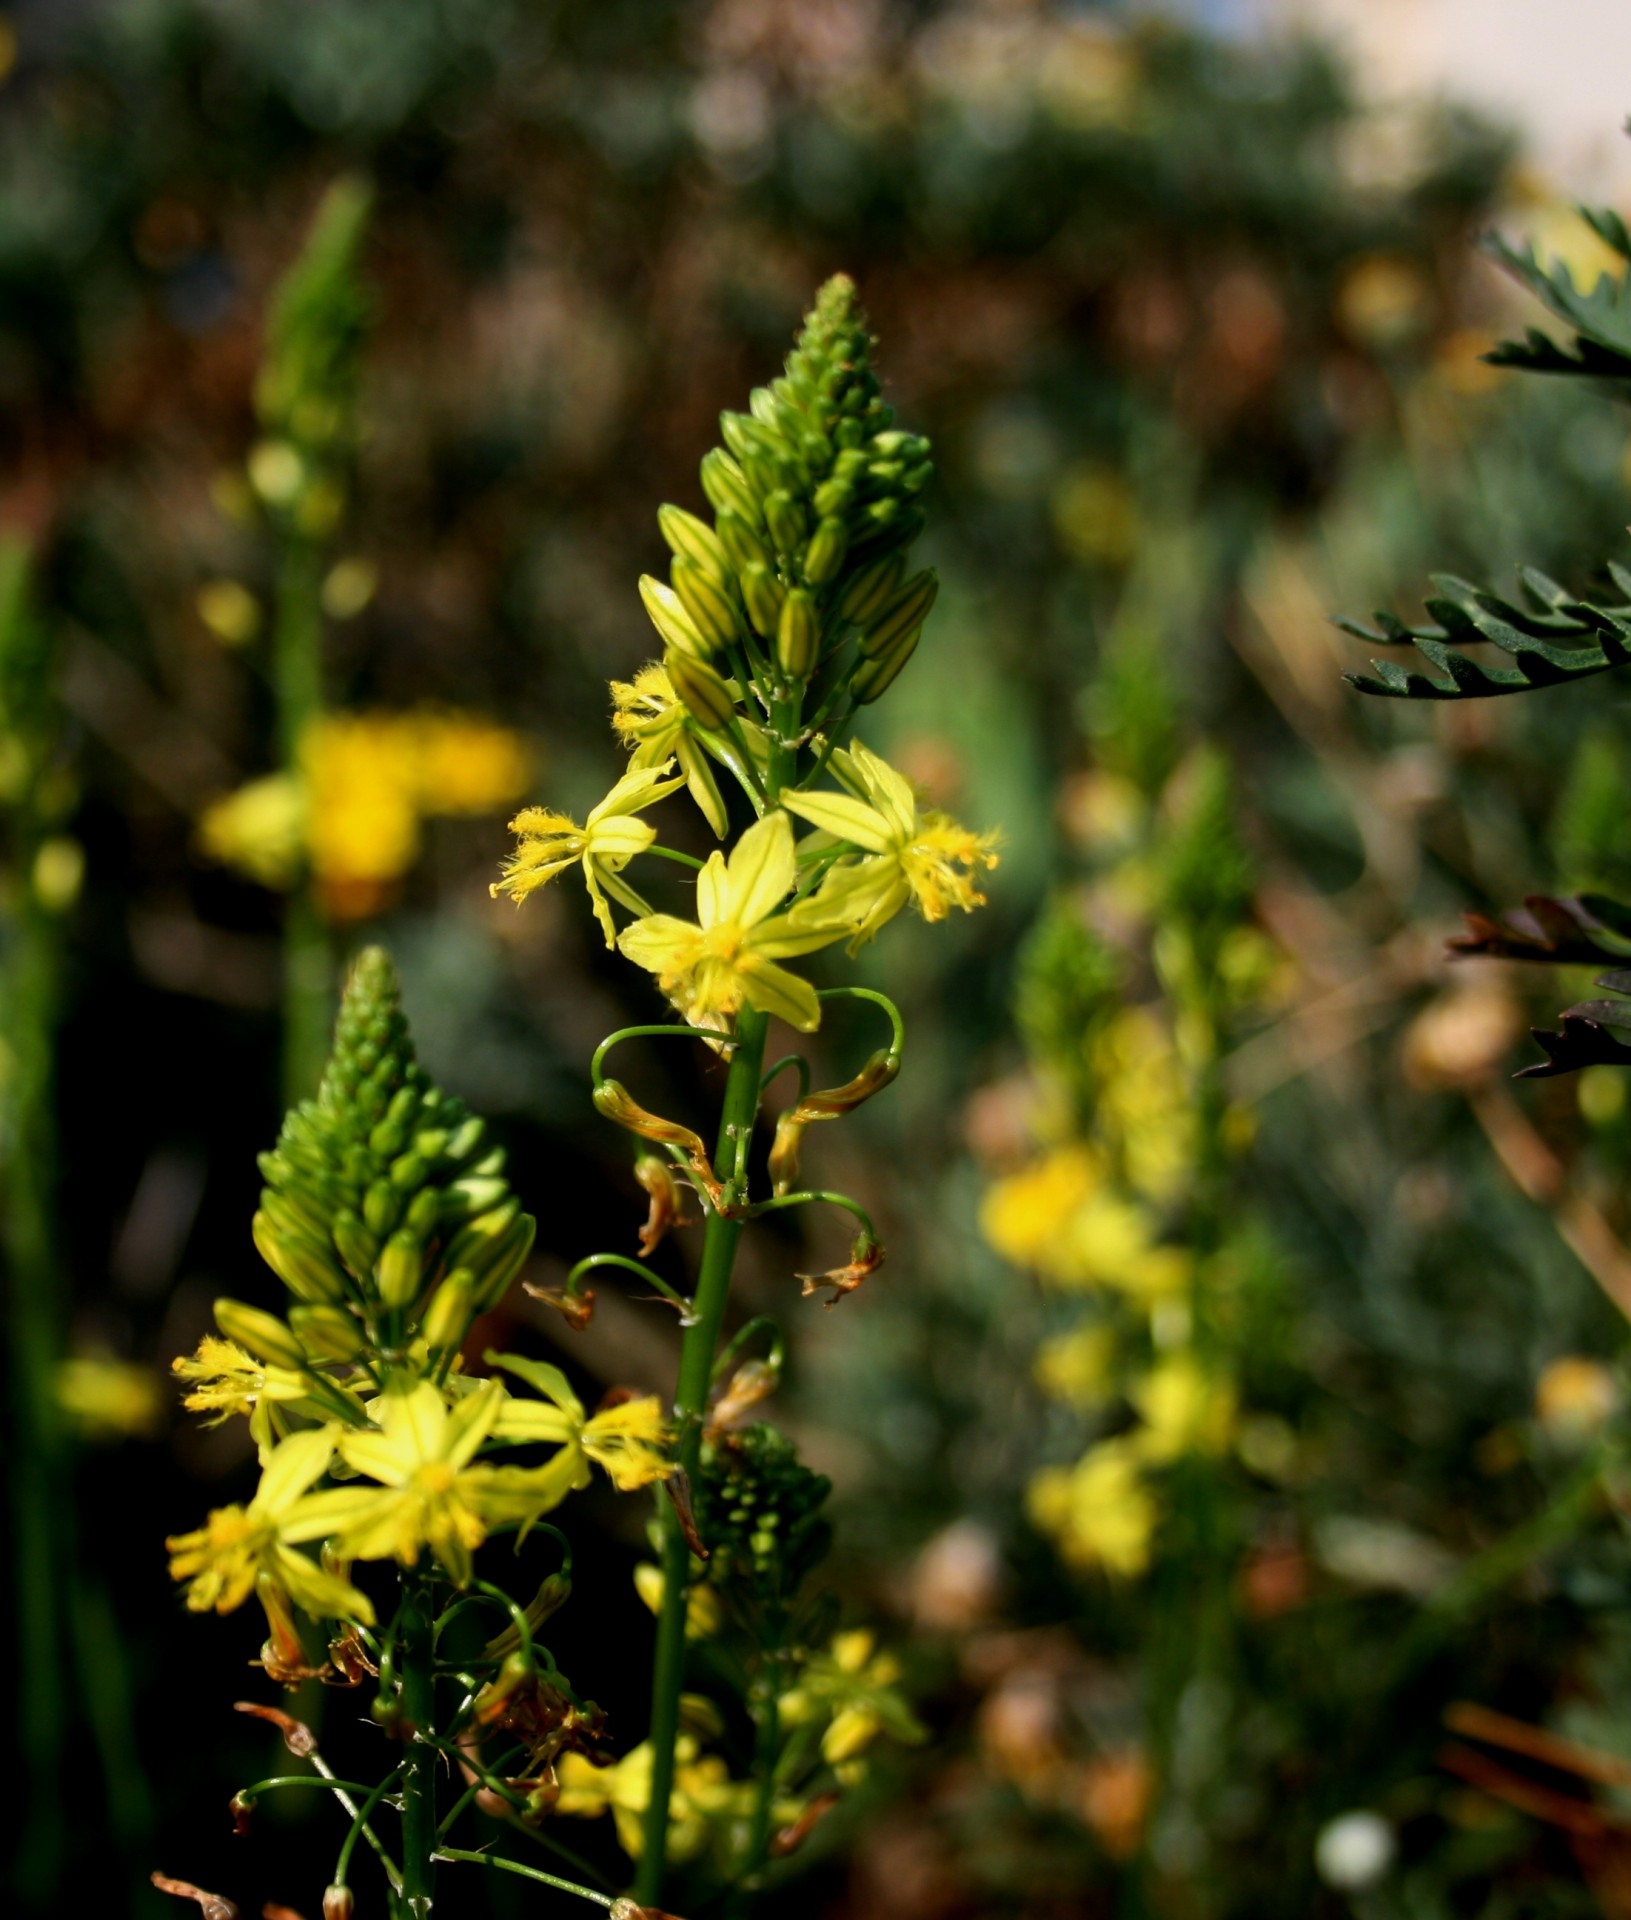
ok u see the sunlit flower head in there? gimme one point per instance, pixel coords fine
(1100, 1510)
(908, 854)
(710, 967)
(627, 1439)
(603, 846)
(650, 720)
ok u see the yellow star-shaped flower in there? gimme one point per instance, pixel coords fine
(909, 854)
(727, 956)
(628, 1438)
(432, 1493)
(651, 720)
(604, 845)
(221, 1560)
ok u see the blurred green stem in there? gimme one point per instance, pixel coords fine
(297, 671)
(690, 1403)
(419, 1839)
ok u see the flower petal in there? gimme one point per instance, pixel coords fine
(843, 817)
(294, 1464)
(761, 871)
(772, 989)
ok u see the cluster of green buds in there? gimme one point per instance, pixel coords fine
(760, 1510)
(814, 496)
(306, 392)
(386, 1211)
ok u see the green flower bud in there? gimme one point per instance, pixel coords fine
(357, 1247)
(408, 1172)
(448, 1314)
(695, 540)
(747, 437)
(506, 1261)
(429, 1142)
(424, 1212)
(259, 1333)
(669, 617)
(903, 613)
(762, 595)
(785, 517)
(882, 532)
(727, 488)
(401, 1270)
(825, 553)
(798, 635)
(706, 697)
(292, 1208)
(466, 1138)
(388, 1139)
(464, 1199)
(867, 593)
(381, 1208)
(474, 1247)
(833, 496)
(300, 1263)
(329, 1332)
(742, 545)
(709, 605)
(875, 676)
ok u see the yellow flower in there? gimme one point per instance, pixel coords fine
(604, 845)
(222, 1559)
(704, 1795)
(430, 1493)
(1100, 1510)
(107, 1399)
(1025, 1216)
(260, 830)
(225, 1380)
(627, 1439)
(1185, 1409)
(911, 855)
(650, 719)
(727, 956)
(1077, 1367)
(463, 764)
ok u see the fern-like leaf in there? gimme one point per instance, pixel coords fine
(1528, 632)
(1601, 319)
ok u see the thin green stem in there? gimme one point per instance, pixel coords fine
(417, 1642)
(597, 1062)
(795, 1060)
(528, 1873)
(280, 1780)
(359, 1825)
(673, 853)
(896, 1021)
(690, 1401)
(597, 1260)
(820, 1195)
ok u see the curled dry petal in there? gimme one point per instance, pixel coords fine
(865, 1257)
(577, 1309)
(297, 1736)
(215, 1906)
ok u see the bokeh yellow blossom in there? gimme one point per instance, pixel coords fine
(1100, 1511)
(355, 808)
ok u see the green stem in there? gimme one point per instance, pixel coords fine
(690, 1402)
(297, 674)
(527, 1873)
(766, 1748)
(417, 1642)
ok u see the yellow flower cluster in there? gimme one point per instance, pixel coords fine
(772, 898)
(1086, 1216)
(353, 812)
(416, 1478)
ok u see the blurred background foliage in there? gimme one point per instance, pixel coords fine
(1241, 1394)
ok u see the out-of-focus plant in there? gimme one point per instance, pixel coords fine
(1135, 985)
(296, 484)
(350, 819)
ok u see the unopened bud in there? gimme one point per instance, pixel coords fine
(302, 1266)
(357, 1246)
(504, 1262)
(448, 1314)
(330, 1332)
(259, 1333)
(871, 590)
(381, 1208)
(338, 1903)
(785, 519)
(833, 497)
(874, 678)
(852, 1731)
(669, 617)
(825, 553)
(742, 545)
(705, 696)
(401, 1270)
(409, 1172)
(798, 635)
(726, 486)
(762, 595)
(903, 613)
(706, 601)
(695, 539)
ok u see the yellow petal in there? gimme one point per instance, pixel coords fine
(761, 870)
